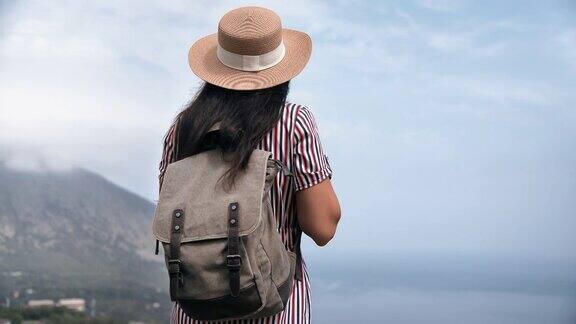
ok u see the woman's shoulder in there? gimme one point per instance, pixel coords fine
(297, 107)
(298, 112)
(301, 116)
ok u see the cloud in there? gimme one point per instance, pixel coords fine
(567, 43)
(32, 159)
(463, 42)
(441, 5)
(486, 39)
(496, 91)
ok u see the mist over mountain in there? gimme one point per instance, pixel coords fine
(73, 233)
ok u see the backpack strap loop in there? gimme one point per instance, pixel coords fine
(282, 167)
(298, 271)
(174, 264)
(233, 259)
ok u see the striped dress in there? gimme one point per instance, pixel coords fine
(295, 142)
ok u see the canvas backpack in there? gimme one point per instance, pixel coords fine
(222, 248)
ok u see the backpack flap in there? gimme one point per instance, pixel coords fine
(195, 185)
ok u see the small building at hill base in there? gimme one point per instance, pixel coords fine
(40, 302)
(77, 304)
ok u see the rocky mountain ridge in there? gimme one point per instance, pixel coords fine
(75, 234)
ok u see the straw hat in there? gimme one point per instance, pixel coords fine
(250, 51)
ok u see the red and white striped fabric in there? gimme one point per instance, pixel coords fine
(295, 142)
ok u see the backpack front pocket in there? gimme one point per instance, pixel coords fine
(206, 275)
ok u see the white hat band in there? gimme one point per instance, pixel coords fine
(251, 62)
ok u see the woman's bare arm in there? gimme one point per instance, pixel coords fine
(318, 211)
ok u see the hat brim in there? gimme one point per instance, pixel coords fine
(206, 65)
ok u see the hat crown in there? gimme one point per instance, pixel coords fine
(250, 31)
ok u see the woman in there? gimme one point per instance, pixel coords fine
(247, 67)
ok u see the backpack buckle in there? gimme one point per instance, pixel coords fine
(174, 269)
(174, 266)
(234, 261)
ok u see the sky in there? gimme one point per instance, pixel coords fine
(450, 125)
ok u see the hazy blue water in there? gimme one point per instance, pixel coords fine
(442, 289)
(418, 306)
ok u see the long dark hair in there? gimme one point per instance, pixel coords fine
(245, 117)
